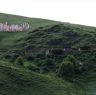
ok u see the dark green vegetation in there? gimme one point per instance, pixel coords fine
(34, 62)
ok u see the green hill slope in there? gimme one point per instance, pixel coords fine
(60, 36)
(34, 22)
(42, 78)
(7, 39)
(18, 81)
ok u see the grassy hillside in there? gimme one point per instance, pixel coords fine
(20, 81)
(38, 74)
(60, 36)
(34, 22)
(7, 39)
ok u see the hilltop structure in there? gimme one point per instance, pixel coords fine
(13, 27)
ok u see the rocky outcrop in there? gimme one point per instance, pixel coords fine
(13, 27)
